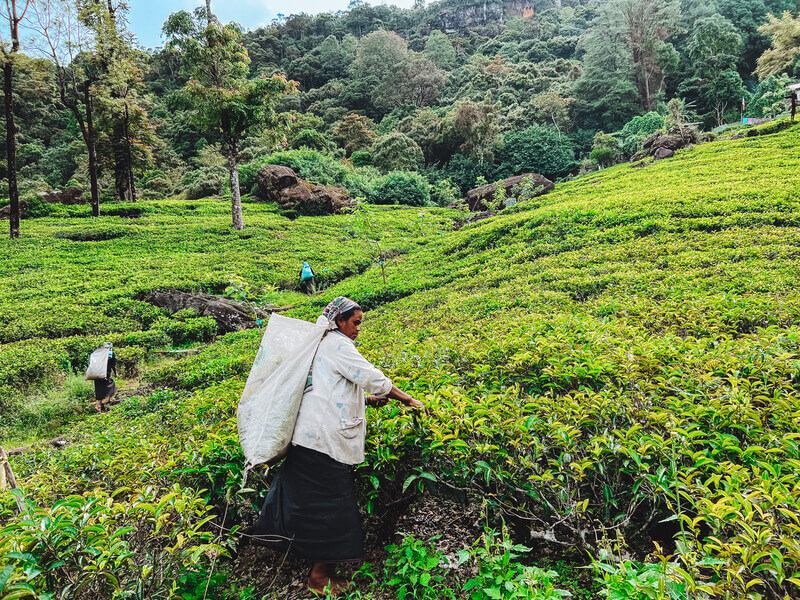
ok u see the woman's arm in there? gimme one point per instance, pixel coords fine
(354, 367)
(398, 394)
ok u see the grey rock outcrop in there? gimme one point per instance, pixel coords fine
(229, 315)
(478, 199)
(662, 153)
(5, 212)
(73, 195)
(281, 185)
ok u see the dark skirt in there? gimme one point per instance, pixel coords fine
(104, 388)
(311, 509)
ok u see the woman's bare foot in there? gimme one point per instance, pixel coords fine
(321, 580)
(334, 587)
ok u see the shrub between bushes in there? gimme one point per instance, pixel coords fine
(401, 187)
(316, 167)
(201, 183)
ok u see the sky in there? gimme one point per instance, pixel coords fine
(147, 16)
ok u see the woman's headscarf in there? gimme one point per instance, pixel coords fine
(336, 307)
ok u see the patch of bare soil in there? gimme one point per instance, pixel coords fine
(455, 526)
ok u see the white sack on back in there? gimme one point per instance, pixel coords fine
(271, 399)
(98, 364)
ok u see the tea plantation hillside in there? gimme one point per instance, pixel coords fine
(72, 282)
(611, 369)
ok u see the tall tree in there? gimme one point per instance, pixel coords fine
(66, 41)
(713, 46)
(607, 87)
(440, 50)
(123, 117)
(223, 96)
(14, 14)
(649, 24)
(476, 124)
(403, 76)
(747, 16)
(118, 92)
(711, 80)
(355, 132)
(785, 34)
(553, 107)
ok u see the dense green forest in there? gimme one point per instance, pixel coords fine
(457, 91)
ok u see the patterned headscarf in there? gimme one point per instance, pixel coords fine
(336, 307)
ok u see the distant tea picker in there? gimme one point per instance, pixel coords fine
(306, 399)
(102, 363)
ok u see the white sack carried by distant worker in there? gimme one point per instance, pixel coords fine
(271, 399)
(98, 364)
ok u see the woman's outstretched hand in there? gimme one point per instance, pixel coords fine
(377, 402)
(415, 404)
(398, 394)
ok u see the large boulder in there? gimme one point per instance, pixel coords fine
(229, 315)
(73, 195)
(661, 145)
(478, 199)
(274, 178)
(281, 185)
(662, 153)
(298, 194)
(5, 212)
(330, 199)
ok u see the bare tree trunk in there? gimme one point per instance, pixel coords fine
(91, 146)
(236, 198)
(209, 14)
(11, 144)
(8, 474)
(7, 479)
(129, 156)
(124, 188)
(11, 131)
(232, 154)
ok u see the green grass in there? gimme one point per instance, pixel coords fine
(609, 367)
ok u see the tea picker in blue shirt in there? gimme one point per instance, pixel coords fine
(307, 279)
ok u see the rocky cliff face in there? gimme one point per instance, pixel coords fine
(455, 16)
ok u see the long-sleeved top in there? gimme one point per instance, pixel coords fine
(332, 417)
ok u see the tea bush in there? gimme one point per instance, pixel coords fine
(413, 570)
(418, 570)
(55, 311)
(501, 576)
(617, 360)
(133, 543)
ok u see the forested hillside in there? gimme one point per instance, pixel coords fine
(455, 90)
